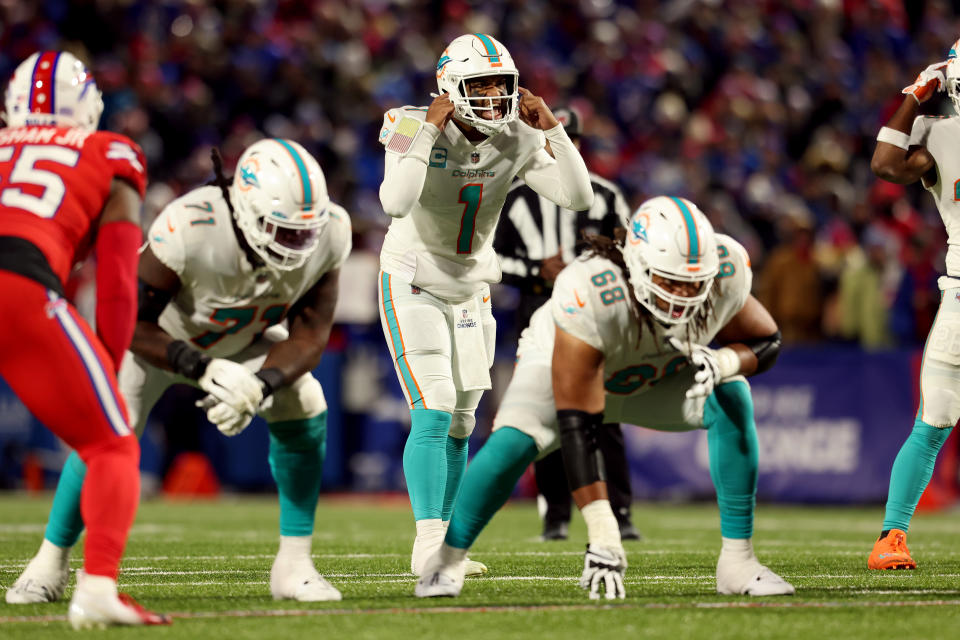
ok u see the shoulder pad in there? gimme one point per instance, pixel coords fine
(125, 158)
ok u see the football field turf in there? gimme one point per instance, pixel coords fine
(208, 564)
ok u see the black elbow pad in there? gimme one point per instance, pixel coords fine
(578, 443)
(151, 302)
(766, 349)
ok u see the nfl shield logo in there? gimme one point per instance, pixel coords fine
(475, 157)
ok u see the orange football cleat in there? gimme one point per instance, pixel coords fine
(891, 552)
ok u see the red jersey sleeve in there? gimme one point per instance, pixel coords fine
(125, 159)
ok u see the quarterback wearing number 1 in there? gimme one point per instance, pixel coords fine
(238, 283)
(448, 169)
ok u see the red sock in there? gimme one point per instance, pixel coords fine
(108, 503)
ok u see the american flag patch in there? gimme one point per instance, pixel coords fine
(404, 135)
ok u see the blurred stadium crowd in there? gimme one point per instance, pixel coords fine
(762, 112)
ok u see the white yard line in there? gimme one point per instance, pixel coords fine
(280, 613)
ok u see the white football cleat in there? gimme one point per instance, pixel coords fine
(750, 578)
(440, 579)
(44, 579)
(429, 538)
(472, 568)
(299, 580)
(97, 605)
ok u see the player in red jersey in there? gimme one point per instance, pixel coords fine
(67, 190)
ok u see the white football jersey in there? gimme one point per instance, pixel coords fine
(590, 301)
(938, 135)
(445, 244)
(224, 304)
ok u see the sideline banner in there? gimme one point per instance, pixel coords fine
(830, 422)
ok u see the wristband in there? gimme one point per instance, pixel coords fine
(728, 362)
(185, 360)
(894, 137)
(602, 527)
(271, 379)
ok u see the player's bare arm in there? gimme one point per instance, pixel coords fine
(751, 344)
(754, 336)
(158, 284)
(894, 159)
(123, 204)
(310, 323)
(577, 374)
(579, 396)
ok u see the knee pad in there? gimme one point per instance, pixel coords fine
(940, 375)
(299, 401)
(941, 407)
(462, 424)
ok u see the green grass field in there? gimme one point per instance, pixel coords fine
(208, 564)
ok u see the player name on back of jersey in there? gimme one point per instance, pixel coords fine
(73, 137)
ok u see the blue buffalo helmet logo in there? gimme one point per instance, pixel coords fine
(248, 177)
(639, 231)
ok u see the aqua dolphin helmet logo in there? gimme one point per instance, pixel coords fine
(443, 61)
(638, 229)
(248, 177)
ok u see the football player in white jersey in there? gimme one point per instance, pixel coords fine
(624, 338)
(911, 148)
(238, 284)
(448, 169)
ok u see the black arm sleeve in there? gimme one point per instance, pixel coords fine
(766, 349)
(578, 442)
(151, 302)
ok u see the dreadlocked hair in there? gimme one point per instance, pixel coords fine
(612, 250)
(220, 180)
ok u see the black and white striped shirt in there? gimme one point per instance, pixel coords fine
(532, 229)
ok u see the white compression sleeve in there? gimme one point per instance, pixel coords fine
(566, 181)
(404, 175)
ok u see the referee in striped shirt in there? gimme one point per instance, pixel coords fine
(535, 239)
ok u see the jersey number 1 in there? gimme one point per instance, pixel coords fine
(471, 195)
(25, 172)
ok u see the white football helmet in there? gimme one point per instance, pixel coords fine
(53, 88)
(953, 76)
(477, 55)
(280, 201)
(671, 238)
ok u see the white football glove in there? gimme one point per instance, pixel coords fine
(704, 360)
(604, 567)
(692, 411)
(227, 419)
(233, 384)
(930, 81)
